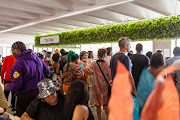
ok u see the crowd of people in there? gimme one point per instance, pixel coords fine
(66, 85)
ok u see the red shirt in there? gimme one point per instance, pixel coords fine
(7, 64)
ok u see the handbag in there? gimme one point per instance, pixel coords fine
(109, 85)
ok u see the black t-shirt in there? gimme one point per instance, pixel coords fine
(139, 61)
(123, 59)
(39, 110)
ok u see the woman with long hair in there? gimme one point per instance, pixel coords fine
(56, 67)
(71, 71)
(156, 64)
(147, 79)
(76, 102)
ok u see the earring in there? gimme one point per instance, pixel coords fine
(42, 100)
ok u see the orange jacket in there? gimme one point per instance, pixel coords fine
(5, 70)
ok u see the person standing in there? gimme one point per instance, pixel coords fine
(83, 59)
(139, 61)
(89, 77)
(176, 53)
(176, 76)
(6, 78)
(99, 83)
(124, 45)
(149, 54)
(63, 60)
(109, 55)
(26, 72)
(3, 101)
(72, 71)
(48, 58)
(90, 57)
(56, 78)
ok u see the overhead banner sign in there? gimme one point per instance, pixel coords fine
(49, 39)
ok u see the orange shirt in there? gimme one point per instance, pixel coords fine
(7, 64)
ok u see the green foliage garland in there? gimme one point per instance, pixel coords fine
(156, 29)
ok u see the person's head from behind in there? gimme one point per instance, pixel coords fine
(101, 53)
(90, 54)
(47, 91)
(176, 51)
(157, 60)
(124, 44)
(63, 52)
(56, 57)
(48, 54)
(17, 48)
(73, 57)
(149, 54)
(40, 55)
(77, 95)
(83, 55)
(129, 54)
(139, 47)
(159, 51)
(109, 51)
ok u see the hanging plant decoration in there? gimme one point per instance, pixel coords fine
(154, 29)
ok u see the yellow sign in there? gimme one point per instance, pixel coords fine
(16, 74)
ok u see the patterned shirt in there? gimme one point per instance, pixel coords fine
(74, 73)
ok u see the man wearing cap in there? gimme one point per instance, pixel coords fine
(25, 73)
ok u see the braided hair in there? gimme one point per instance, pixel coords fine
(69, 59)
(19, 45)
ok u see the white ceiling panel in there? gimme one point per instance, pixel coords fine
(23, 19)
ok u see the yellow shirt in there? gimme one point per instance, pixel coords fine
(52, 62)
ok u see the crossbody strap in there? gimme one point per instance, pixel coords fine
(103, 74)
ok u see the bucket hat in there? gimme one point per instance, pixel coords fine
(46, 88)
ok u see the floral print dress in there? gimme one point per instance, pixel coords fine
(100, 86)
(74, 73)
